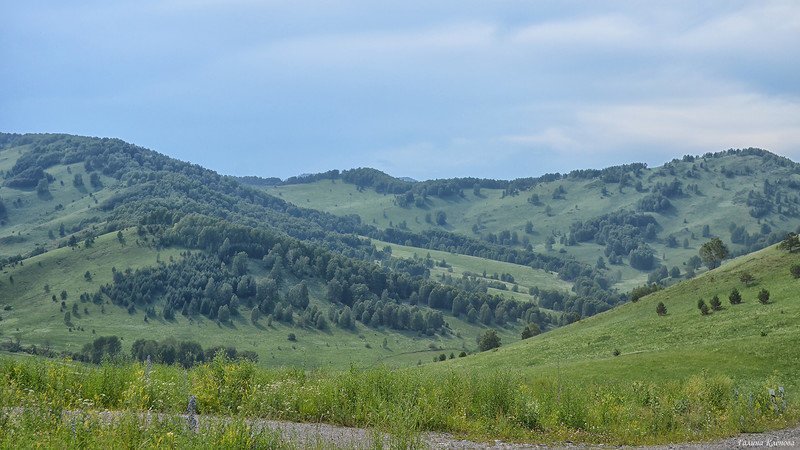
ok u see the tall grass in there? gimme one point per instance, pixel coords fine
(403, 403)
(38, 428)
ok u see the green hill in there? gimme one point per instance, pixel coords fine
(752, 190)
(162, 258)
(679, 377)
(132, 216)
(749, 342)
(30, 314)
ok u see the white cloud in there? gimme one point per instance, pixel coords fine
(761, 28)
(604, 30)
(738, 120)
(369, 47)
(692, 124)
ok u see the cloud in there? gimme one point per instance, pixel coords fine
(676, 126)
(738, 120)
(368, 49)
(424, 89)
(604, 30)
(760, 28)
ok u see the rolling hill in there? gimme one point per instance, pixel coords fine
(111, 225)
(109, 248)
(680, 376)
(100, 231)
(750, 342)
(747, 197)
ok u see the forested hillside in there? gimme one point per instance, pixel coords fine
(237, 256)
(632, 223)
(429, 265)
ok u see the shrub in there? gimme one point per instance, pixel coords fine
(701, 305)
(661, 309)
(735, 298)
(763, 296)
(795, 270)
(531, 330)
(291, 337)
(488, 340)
(716, 305)
(641, 291)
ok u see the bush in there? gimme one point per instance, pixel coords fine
(735, 298)
(795, 270)
(488, 340)
(716, 305)
(763, 296)
(531, 330)
(661, 309)
(701, 305)
(291, 337)
(641, 291)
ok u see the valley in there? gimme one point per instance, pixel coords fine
(554, 309)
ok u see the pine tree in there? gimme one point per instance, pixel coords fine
(735, 298)
(701, 305)
(661, 309)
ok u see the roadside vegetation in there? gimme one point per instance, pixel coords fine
(475, 404)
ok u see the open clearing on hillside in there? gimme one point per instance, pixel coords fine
(523, 275)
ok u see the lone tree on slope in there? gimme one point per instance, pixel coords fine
(735, 298)
(488, 340)
(713, 252)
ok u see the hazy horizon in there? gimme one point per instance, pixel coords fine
(425, 91)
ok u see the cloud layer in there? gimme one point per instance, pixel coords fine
(490, 89)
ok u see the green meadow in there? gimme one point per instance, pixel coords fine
(30, 315)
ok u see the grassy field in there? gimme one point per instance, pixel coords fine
(678, 377)
(524, 276)
(752, 343)
(34, 318)
(721, 202)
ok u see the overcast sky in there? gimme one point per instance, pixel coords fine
(426, 89)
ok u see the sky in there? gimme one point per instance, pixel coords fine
(426, 89)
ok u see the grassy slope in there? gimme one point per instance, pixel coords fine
(680, 344)
(524, 276)
(38, 215)
(36, 319)
(721, 202)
